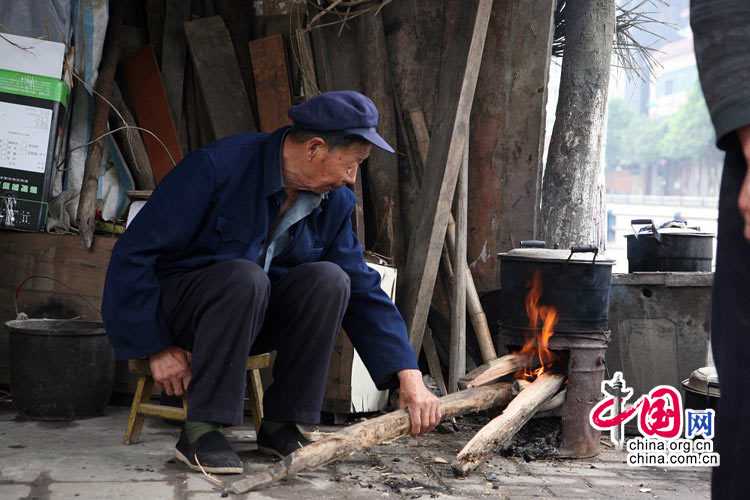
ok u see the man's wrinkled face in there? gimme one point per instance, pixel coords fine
(338, 166)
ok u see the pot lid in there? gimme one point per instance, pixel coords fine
(534, 251)
(674, 227)
(704, 381)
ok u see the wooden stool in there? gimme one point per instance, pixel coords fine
(141, 406)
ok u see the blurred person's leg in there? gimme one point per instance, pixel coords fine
(730, 335)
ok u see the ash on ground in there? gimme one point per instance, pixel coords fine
(538, 439)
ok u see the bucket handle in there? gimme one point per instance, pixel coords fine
(645, 222)
(584, 249)
(20, 286)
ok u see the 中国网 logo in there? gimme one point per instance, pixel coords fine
(668, 431)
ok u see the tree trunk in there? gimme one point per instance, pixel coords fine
(572, 202)
(507, 133)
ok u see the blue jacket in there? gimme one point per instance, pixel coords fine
(218, 204)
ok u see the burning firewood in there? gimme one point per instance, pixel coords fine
(493, 370)
(370, 433)
(552, 404)
(501, 429)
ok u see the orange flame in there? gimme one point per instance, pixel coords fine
(538, 344)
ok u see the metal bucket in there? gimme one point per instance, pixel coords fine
(60, 369)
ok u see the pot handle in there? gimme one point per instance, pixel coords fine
(584, 249)
(533, 244)
(645, 222)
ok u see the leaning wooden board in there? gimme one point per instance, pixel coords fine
(149, 100)
(271, 82)
(219, 78)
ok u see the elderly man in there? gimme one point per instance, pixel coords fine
(248, 244)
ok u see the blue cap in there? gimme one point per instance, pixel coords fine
(346, 111)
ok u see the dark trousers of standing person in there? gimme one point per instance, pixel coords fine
(223, 312)
(730, 336)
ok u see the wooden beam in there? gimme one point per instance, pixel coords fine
(458, 78)
(271, 82)
(501, 429)
(149, 99)
(457, 365)
(238, 15)
(219, 78)
(369, 433)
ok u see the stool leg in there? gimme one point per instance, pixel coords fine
(135, 421)
(255, 394)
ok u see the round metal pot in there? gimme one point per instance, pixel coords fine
(673, 247)
(575, 281)
(702, 389)
(60, 369)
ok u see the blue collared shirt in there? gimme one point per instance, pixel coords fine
(218, 204)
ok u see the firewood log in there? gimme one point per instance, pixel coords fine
(370, 433)
(494, 369)
(501, 429)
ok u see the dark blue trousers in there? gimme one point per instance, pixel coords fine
(223, 312)
(730, 336)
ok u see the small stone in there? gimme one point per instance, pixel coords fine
(492, 477)
(439, 460)
(396, 459)
(645, 490)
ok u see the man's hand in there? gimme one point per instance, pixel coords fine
(171, 369)
(743, 202)
(422, 405)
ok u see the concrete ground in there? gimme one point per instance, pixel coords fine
(86, 460)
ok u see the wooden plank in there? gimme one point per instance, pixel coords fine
(271, 76)
(131, 145)
(219, 78)
(238, 15)
(457, 364)
(173, 56)
(338, 386)
(458, 78)
(369, 433)
(148, 97)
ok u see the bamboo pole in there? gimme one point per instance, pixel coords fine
(457, 360)
(370, 433)
(501, 429)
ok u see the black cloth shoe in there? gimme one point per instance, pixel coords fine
(213, 451)
(282, 441)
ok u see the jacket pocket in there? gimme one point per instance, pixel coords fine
(232, 230)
